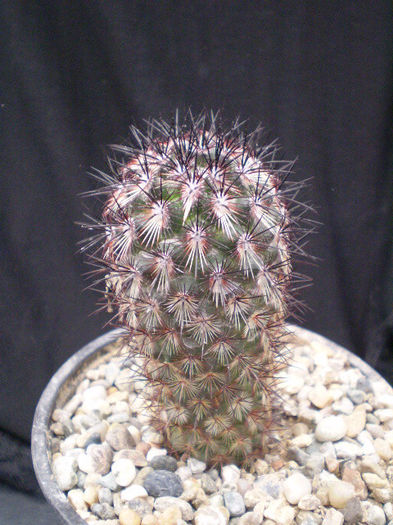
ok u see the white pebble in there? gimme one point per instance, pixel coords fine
(259, 509)
(95, 405)
(135, 433)
(383, 449)
(280, 512)
(230, 474)
(388, 508)
(209, 515)
(249, 518)
(292, 383)
(139, 385)
(302, 441)
(385, 400)
(163, 503)
(319, 396)
(340, 492)
(333, 517)
(309, 502)
(73, 403)
(191, 489)
(347, 450)
(196, 466)
(124, 472)
(132, 492)
(384, 414)
(356, 422)
(373, 514)
(344, 405)
(331, 428)
(366, 441)
(296, 487)
(376, 431)
(123, 380)
(90, 494)
(184, 473)
(253, 496)
(76, 498)
(117, 396)
(86, 463)
(94, 392)
(111, 372)
(373, 481)
(154, 452)
(149, 435)
(69, 443)
(64, 469)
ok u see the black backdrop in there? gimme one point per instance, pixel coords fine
(317, 74)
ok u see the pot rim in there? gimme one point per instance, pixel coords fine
(47, 401)
(40, 428)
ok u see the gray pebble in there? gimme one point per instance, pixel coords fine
(298, 455)
(234, 503)
(208, 484)
(213, 473)
(102, 457)
(163, 463)
(55, 445)
(314, 465)
(90, 437)
(93, 439)
(103, 511)
(356, 396)
(271, 484)
(308, 518)
(118, 437)
(135, 422)
(68, 426)
(364, 384)
(370, 418)
(109, 482)
(58, 429)
(163, 483)
(353, 511)
(81, 479)
(105, 496)
(119, 417)
(140, 505)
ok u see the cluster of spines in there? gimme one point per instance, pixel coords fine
(195, 247)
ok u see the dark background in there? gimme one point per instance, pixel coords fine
(75, 74)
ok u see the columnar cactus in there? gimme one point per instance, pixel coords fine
(195, 252)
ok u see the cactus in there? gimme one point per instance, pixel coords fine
(195, 248)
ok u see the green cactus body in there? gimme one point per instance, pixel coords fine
(196, 261)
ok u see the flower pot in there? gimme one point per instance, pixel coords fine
(63, 384)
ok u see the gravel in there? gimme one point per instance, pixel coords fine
(332, 461)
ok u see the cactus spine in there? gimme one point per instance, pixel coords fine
(194, 244)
